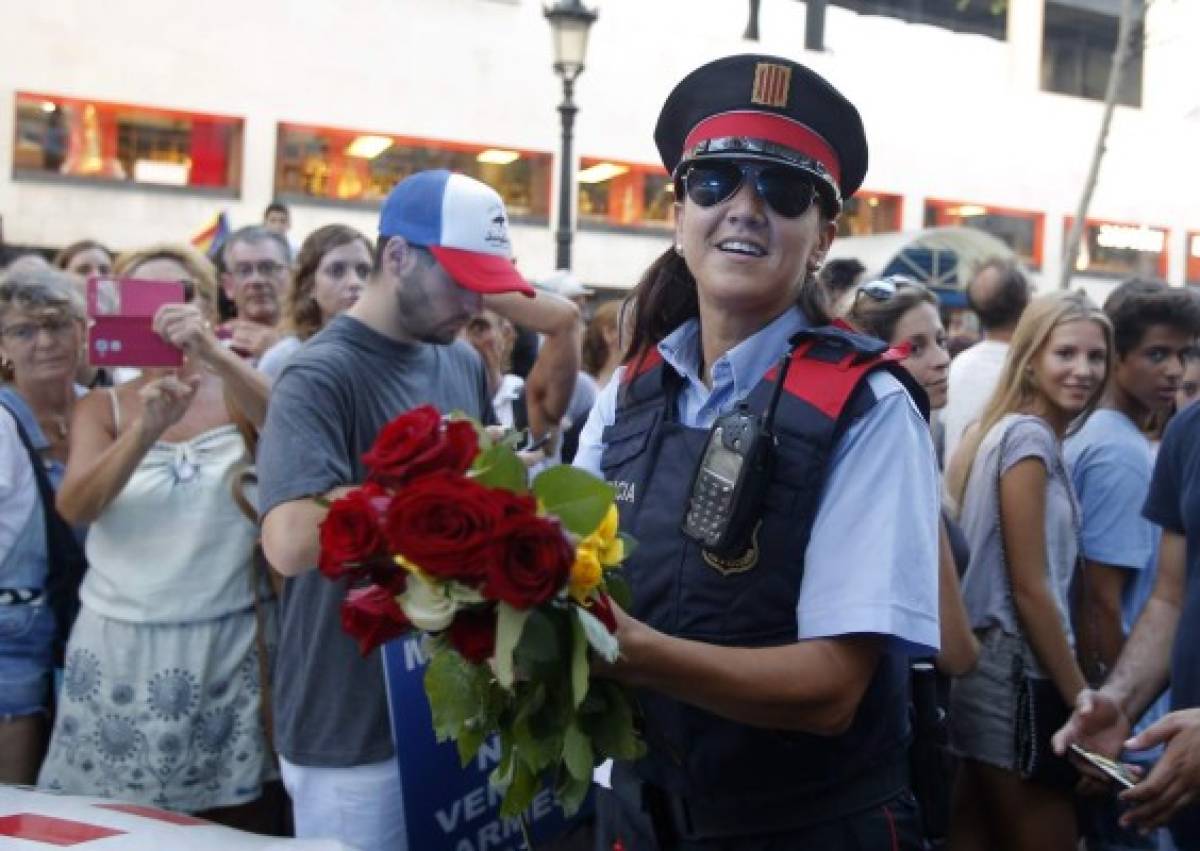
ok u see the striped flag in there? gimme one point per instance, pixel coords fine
(211, 237)
(771, 84)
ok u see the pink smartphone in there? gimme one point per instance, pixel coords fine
(121, 313)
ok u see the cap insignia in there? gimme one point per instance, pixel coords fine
(771, 84)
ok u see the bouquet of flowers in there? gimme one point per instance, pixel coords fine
(511, 583)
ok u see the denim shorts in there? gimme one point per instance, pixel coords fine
(26, 659)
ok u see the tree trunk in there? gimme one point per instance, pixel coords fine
(751, 32)
(1132, 13)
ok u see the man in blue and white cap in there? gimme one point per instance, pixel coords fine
(443, 254)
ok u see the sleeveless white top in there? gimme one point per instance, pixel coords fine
(173, 546)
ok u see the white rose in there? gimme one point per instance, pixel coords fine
(427, 605)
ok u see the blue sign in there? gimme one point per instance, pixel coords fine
(447, 806)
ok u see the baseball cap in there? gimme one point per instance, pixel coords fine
(462, 222)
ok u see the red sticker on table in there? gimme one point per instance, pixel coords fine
(52, 831)
(153, 812)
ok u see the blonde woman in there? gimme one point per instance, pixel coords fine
(163, 681)
(1020, 517)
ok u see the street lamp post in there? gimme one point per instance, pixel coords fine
(569, 24)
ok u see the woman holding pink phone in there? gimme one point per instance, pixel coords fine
(162, 691)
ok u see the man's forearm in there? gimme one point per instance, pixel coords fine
(1143, 670)
(291, 532)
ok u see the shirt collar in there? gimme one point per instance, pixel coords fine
(746, 363)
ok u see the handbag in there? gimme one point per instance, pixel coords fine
(1040, 709)
(65, 560)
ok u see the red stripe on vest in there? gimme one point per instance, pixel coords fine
(824, 385)
(641, 365)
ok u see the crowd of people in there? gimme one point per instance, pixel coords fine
(1022, 520)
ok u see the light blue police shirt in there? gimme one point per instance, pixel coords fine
(871, 563)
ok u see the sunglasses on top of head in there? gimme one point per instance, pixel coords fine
(885, 289)
(786, 190)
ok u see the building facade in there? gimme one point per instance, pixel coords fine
(133, 122)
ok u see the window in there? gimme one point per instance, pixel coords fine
(983, 17)
(1020, 230)
(1077, 49)
(625, 194)
(1193, 258)
(1120, 249)
(351, 165)
(870, 212)
(125, 143)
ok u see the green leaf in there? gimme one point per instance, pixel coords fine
(510, 623)
(499, 467)
(579, 663)
(539, 643)
(571, 792)
(520, 792)
(502, 775)
(537, 736)
(612, 730)
(577, 753)
(577, 498)
(618, 588)
(470, 740)
(598, 636)
(629, 543)
(456, 690)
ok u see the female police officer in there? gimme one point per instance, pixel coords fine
(777, 591)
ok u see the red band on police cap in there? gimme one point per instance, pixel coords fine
(771, 128)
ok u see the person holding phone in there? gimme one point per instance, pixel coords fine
(772, 671)
(1161, 651)
(162, 690)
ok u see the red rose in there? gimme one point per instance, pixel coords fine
(418, 443)
(602, 609)
(371, 616)
(473, 634)
(445, 525)
(533, 561)
(509, 503)
(350, 534)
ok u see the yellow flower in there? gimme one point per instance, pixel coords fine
(609, 547)
(585, 573)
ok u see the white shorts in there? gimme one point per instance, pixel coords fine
(360, 805)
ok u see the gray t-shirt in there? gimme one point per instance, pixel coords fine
(326, 408)
(986, 585)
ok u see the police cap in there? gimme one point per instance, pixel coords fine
(765, 107)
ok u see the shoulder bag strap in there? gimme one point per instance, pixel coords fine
(66, 562)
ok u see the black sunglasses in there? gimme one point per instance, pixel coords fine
(788, 191)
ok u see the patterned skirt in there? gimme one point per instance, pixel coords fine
(162, 714)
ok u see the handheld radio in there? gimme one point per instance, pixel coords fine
(732, 476)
